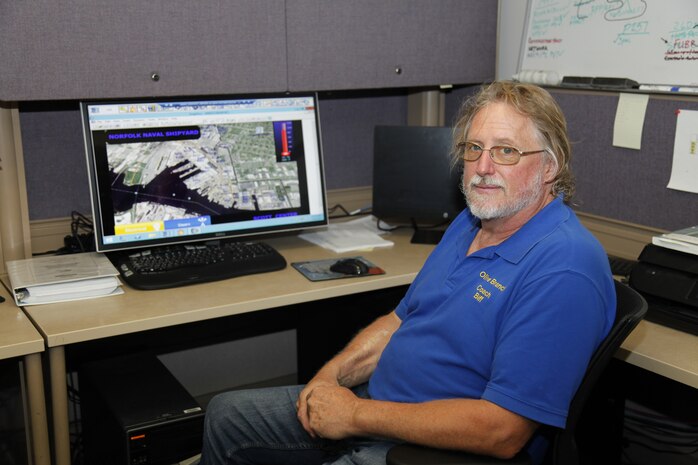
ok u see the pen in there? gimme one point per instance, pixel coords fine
(664, 88)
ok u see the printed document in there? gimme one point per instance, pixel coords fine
(684, 169)
(361, 234)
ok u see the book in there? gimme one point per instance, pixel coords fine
(677, 241)
(60, 278)
(686, 235)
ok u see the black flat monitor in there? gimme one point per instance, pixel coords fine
(169, 170)
(414, 181)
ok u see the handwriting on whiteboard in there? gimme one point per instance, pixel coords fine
(553, 22)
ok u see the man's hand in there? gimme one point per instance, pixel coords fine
(330, 412)
(351, 367)
(302, 402)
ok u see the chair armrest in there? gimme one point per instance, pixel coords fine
(410, 454)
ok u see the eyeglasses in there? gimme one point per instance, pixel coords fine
(500, 154)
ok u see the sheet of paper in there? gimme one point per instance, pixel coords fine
(684, 168)
(367, 223)
(361, 234)
(630, 117)
(341, 240)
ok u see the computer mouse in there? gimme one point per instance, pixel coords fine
(352, 266)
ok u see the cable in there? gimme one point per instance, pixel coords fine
(80, 223)
(339, 206)
(81, 238)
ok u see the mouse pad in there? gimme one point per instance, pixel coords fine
(319, 270)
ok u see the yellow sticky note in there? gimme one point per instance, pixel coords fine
(630, 117)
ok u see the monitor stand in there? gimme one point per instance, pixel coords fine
(427, 236)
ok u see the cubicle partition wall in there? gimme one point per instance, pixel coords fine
(621, 183)
(613, 182)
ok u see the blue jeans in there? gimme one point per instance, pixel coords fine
(260, 427)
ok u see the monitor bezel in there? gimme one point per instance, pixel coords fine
(243, 234)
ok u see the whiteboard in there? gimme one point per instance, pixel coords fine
(649, 41)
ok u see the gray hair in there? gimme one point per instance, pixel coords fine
(545, 114)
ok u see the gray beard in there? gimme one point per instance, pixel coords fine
(508, 207)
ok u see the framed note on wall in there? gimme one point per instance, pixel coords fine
(648, 41)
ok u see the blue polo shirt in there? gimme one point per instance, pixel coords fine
(515, 323)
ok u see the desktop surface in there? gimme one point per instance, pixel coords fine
(664, 351)
(18, 336)
(651, 346)
(73, 322)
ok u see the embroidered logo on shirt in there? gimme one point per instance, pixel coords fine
(481, 292)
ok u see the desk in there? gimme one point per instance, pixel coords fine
(653, 347)
(664, 351)
(19, 339)
(74, 322)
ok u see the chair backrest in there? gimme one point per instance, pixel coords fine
(630, 309)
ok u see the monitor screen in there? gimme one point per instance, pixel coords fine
(413, 180)
(169, 170)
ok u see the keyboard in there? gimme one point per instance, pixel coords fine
(183, 264)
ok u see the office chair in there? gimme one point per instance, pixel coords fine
(631, 308)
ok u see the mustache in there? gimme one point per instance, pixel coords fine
(477, 180)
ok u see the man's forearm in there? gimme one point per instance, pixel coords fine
(356, 362)
(467, 424)
(352, 366)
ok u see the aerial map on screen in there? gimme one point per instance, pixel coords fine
(224, 169)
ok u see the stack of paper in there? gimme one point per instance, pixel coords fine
(683, 240)
(361, 234)
(61, 278)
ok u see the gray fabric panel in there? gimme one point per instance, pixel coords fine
(74, 50)
(626, 184)
(348, 120)
(54, 160)
(359, 43)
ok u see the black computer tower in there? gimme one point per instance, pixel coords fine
(134, 411)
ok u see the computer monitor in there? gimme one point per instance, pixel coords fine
(414, 181)
(168, 170)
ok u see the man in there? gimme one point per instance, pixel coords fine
(490, 341)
